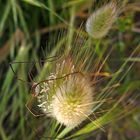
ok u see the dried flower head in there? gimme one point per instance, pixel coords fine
(100, 22)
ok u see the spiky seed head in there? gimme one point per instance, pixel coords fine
(72, 102)
(100, 22)
(68, 100)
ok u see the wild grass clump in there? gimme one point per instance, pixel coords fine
(80, 81)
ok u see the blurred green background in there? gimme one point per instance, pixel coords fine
(32, 29)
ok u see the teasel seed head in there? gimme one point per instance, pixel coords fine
(100, 22)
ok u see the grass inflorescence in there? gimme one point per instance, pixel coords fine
(74, 70)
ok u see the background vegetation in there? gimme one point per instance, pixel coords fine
(29, 31)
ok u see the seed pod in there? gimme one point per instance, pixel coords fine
(100, 22)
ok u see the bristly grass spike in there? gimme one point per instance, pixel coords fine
(100, 22)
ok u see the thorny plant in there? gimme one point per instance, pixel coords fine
(70, 90)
